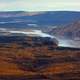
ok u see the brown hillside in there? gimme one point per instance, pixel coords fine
(38, 63)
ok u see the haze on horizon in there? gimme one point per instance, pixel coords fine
(39, 5)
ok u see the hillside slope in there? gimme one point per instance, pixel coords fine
(18, 63)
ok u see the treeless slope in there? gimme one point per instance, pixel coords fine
(38, 63)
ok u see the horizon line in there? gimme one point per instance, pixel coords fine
(41, 11)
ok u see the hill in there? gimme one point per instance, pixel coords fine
(34, 63)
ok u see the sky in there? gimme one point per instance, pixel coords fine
(39, 5)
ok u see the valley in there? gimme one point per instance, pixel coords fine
(40, 45)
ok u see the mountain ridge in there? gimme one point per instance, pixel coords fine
(23, 18)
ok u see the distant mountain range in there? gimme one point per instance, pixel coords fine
(63, 24)
(21, 19)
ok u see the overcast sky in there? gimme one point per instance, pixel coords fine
(39, 5)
